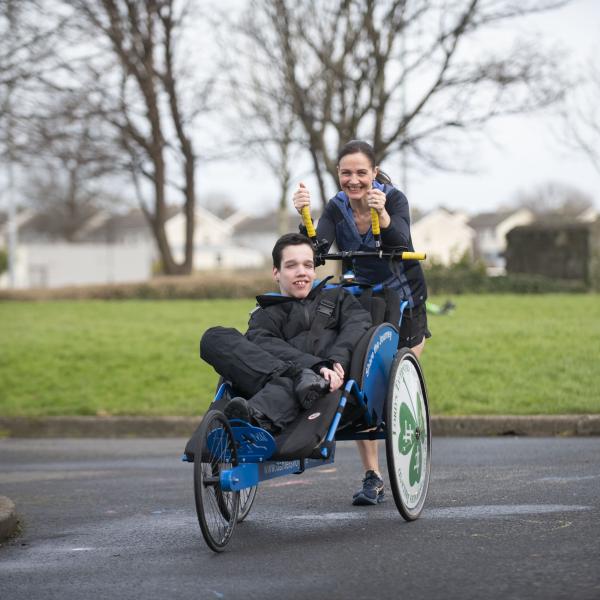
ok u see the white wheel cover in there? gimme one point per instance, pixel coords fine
(409, 431)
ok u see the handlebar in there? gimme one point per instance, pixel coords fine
(398, 254)
(375, 228)
(308, 223)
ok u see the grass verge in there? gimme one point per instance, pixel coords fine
(496, 354)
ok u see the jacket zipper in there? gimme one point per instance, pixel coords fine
(306, 315)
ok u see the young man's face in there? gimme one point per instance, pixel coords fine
(297, 272)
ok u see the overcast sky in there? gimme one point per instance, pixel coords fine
(525, 151)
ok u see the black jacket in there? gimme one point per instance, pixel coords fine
(282, 326)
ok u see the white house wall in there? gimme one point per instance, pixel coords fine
(209, 230)
(57, 265)
(227, 257)
(444, 236)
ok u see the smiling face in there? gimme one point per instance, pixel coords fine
(356, 175)
(297, 271)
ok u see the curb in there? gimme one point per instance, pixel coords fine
(8, 518)
(97, 427)
(116, 427)
(539, 425)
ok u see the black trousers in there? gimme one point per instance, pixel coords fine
(257, 375)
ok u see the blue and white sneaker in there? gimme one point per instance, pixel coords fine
(372, 492)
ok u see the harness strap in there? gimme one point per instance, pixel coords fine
(324, 311)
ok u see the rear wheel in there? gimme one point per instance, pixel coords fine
(408, 436)
(217, 509)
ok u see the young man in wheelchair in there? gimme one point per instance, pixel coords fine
(298, 344)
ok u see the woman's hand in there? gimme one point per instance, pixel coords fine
(301, 198)
(335, 381)
(376, 200)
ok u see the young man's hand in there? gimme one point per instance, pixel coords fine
(334, 376)
(339, 370)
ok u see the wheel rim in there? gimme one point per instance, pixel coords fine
(409, 442)
(217, 510)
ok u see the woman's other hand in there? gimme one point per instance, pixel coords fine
(376, 200)
(301, 197)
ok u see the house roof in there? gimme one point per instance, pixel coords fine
(53, 224)
(268, 223)
(112, 226)
(490, 219)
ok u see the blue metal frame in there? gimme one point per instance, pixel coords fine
(255, 445)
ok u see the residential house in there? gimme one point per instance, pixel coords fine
(262, 232)
(444, 235)
(490, 235)
(112, 248)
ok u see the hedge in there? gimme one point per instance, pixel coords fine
(458, 279)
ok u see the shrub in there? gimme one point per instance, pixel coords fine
(3, 260)
(221, 285)
(466, 277)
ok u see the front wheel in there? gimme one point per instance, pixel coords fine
(408, 435)
(217, 509)
(247, 496)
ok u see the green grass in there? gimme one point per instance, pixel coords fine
(118, 358)
(517, 354)
(495, 354)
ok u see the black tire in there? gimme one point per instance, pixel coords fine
(408, 435)
(217, 510)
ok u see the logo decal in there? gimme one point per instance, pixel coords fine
(408, 440)
(314, 416)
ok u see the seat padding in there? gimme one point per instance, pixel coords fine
(308, 429)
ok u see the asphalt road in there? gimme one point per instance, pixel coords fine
(505, 518)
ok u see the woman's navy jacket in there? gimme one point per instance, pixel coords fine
(337, 225)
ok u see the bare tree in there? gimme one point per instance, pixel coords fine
(266, 131)
(581, 115)
(401, 73)
(73, 159)
(135, 82)
(554, 199)
(28, 35)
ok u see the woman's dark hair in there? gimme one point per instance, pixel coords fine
(289, 239)
(356, 146)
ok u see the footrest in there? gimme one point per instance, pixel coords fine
(253, 443)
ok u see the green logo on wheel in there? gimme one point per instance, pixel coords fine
(410, 441)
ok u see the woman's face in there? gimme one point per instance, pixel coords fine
(356, 175)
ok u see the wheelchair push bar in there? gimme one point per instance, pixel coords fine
(398, 253)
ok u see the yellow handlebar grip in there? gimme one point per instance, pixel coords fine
(307, 220)
(414, 256)
(375, 222)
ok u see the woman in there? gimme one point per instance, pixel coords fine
(346, 221)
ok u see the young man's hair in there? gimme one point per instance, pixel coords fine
(289, 239)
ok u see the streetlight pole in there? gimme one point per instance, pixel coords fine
(403, 104)
(10, 176)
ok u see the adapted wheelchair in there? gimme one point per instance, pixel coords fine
(385, 397)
